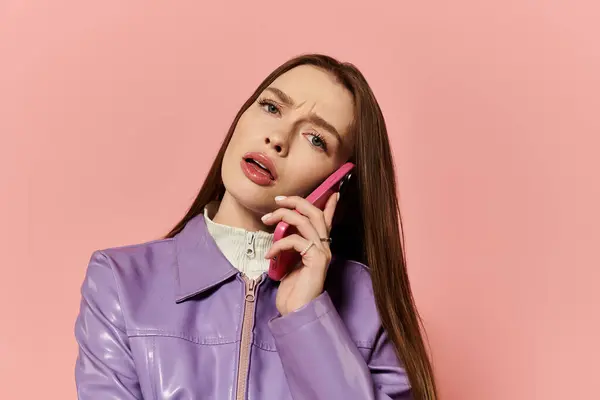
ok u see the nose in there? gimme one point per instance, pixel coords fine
(279, 143)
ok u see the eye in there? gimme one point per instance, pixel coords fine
(317, 140)
(269, 106)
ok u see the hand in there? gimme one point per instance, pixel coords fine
(305, 283)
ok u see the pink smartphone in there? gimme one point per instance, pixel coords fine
(282, 264)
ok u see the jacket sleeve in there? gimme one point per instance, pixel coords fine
(321, 361)
(104, 368)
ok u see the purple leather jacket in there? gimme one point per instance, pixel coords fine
(173, 319)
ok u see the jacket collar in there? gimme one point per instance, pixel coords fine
(200, 263)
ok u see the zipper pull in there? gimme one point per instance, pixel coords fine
(250, 290)
(250, 252)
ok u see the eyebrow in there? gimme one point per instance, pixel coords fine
(314, 118)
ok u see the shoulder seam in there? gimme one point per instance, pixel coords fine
(129, 246)
(111, 264)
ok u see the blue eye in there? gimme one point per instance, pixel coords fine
(269, 107)
(317, 140)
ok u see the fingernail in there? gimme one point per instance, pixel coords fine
(266, 217)
(279, 198)
(338, 195)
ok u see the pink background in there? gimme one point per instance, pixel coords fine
(110, 113)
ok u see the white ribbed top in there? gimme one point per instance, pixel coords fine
(245, 250)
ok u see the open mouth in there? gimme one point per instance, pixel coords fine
(260, 166)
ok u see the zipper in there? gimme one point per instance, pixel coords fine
(247, 327)
(250, 251)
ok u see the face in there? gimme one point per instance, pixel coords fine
(299, 129)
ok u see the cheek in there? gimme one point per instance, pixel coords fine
(304, 177)
(233, 152)
(245, 132)
(249, 118)
(239, 143)
(240, 134)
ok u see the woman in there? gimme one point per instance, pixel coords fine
(194, 316)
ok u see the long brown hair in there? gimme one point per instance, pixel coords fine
(367, 226)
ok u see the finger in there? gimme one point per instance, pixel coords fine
(330, 210)
(299, 244)
(306, 208)
(300, 222)
(292, 242)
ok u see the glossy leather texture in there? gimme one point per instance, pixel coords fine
(166, 320)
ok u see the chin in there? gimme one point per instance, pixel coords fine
(258, 199)
(257, 204)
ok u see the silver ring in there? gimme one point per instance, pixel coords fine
(303, 252)
(326, 240)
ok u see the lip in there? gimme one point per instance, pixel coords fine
(256, 174)
(264, 160)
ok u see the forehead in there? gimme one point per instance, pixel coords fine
(315, 89)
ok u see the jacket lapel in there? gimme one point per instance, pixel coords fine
(200, 263)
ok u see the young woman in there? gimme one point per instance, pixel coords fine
(194, 315)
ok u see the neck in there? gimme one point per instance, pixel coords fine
(232, 213)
